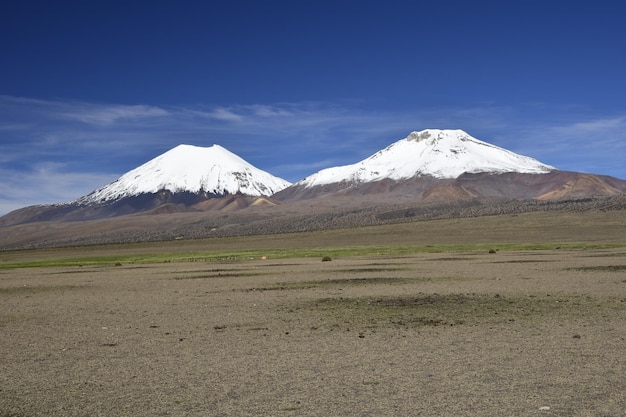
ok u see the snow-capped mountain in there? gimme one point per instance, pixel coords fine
(185, 191)
(440, 154)
(213, 171)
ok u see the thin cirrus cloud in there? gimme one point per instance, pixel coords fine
(93, 113)
(596, 145)
(45, 183)
(112, 114)
(58, 150)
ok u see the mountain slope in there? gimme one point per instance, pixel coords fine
(584, 186)
(428, 167)
(436, 153)
(450, 165)
(179, 180)
(192, 169)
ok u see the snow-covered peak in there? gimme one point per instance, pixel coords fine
(188, 168)
(432, 152)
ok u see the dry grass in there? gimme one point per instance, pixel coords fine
(460, 309)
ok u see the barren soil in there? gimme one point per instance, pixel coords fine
(509, 333)
(395, 332)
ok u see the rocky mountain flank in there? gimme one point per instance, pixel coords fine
(202, 192)
(447, 165)
(336, 212)
(185, 178)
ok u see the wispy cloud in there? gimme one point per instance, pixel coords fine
(92, 113)
(601, 126)
(45, 183)
(219, 113)
(106, 115)
(595, 145)
(270, 111)
(58, 150)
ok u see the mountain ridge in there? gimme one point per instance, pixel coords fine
(337, 212)
(428, 166)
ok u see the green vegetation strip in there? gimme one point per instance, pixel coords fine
(282, 253)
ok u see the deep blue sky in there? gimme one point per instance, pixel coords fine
(92, 89)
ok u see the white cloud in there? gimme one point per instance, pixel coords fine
(105, 115)
(24, 112)
(46, 183)
(222, 113)
(270, 111)
(586, 144)
(602, 126)
(598, 134)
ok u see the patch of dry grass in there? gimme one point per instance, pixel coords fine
(599, 268)
(460, 309)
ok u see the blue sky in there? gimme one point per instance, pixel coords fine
(92, 89)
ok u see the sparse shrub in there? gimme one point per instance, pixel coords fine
(492, 250)
(118, 264)
(327, 259)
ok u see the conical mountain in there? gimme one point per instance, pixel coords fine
(185, 178)
(211, 171)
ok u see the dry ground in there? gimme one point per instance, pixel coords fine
(591, 218)
(445, 334)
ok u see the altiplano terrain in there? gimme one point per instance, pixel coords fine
(500, 315)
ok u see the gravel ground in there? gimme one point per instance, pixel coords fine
(537, 333)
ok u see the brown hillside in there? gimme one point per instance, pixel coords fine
(581, 186)
(443, 193)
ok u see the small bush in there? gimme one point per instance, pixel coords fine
(492, 250)
(326, 259)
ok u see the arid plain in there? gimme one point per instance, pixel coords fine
(510, 315)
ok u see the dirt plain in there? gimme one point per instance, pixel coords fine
(456, 332)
